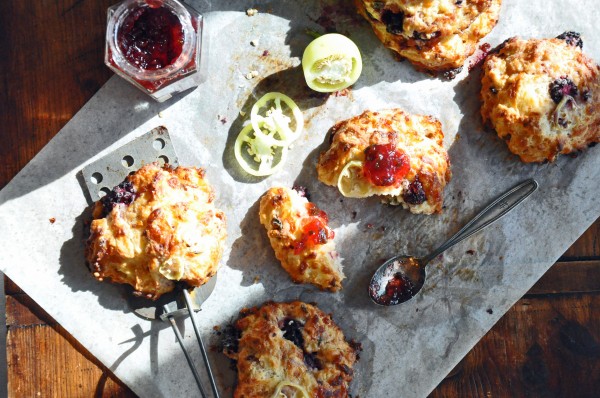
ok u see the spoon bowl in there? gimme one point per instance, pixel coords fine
(401, 277)
(397, 280)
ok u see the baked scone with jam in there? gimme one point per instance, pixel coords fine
(301, 239)
(391, 154)
(542, 96)
(157, 229)
(436, 36)
(291, 350)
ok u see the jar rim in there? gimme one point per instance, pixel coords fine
(115, 22)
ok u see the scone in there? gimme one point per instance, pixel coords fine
(389, 153)
(301, 238)
(436, 35)
(542, 96)
(156, 229)
(291, 350)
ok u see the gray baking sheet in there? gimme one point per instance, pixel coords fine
(408, 349)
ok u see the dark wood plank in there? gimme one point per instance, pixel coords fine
(587, 246)
(52, 64)
(542, 347)
(569, 277)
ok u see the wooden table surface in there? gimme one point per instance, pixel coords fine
(547, 345)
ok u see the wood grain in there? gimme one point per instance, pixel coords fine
(546, 345)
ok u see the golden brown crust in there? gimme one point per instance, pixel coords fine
(170, 232)
(285, 213)
(436, 35)
(419, 137)
(294, 343)
(517, 99)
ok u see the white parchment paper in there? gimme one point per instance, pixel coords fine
(409, 348)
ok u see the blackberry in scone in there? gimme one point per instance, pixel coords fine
(157, 229)
(437, 35)
(301, 238)
(291, 350)
(389, 153)
(542, 96)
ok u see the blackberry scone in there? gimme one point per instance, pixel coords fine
(391, 154)
(157, 229)
(436, 36)
(301, 238)
(291, 350)
(542, 96)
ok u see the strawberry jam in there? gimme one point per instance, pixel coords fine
(385, 165)
(314, 230)
(155, 45)
(151, 38)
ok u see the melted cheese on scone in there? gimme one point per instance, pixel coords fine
(301, 238)
(171, 232)
(418, 137)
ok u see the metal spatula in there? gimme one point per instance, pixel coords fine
(105, 173)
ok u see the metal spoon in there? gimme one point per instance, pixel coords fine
(401, 277)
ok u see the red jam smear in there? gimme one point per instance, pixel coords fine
(314, 230)
(385, 165)
(151, 38)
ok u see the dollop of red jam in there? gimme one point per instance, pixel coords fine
(314, 230)
(385, 165)
(151, 38)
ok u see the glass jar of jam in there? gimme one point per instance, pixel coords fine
(155, 45)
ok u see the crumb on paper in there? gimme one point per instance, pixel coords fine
(470, 252)
(265, 53)
(254, 43)
(251, 75)
(222, 119)
(490, 311)
(251, 12)
(52, 220)
(216, 328)
(161, 115)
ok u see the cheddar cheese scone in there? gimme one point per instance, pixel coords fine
(542, 96)
(156, 229)
(301, 238)
(391, 154)
(435, 35)
(291, 350)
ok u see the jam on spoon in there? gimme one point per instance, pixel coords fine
(400, 278)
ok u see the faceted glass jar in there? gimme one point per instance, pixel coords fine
(181, 73)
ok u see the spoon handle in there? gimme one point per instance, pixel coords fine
(491, 213)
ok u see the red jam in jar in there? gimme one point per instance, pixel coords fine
(155, 45)
(385, 165)
(151, 38)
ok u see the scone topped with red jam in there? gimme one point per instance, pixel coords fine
(301, 238)
(542, 96)
(290, 350)
(157, 229)
(435, 35)
(391, 154)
